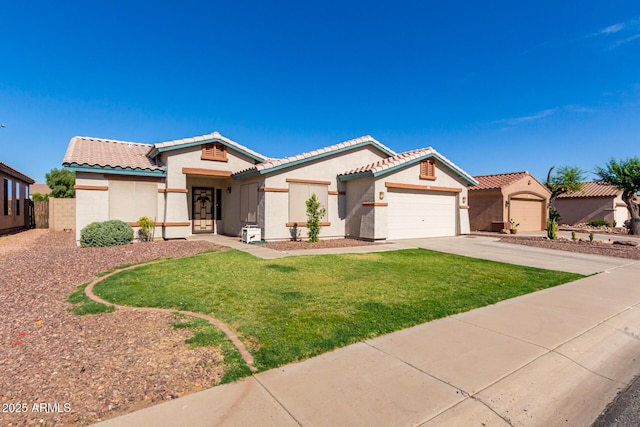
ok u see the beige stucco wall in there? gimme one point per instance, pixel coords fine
(360, 220)
(91, 205)
(177, 206)
(325, 169)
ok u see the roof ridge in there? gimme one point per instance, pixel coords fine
(501, 174)
(117, 141)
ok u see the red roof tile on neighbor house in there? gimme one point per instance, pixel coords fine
(497, 181)
(85, 151)
(593, 189)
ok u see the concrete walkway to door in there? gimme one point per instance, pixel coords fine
(550, 358)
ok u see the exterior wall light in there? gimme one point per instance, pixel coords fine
(381, 195)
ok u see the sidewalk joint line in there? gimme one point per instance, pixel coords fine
(277, 400)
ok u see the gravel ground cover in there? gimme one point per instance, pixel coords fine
(289, 245)
(57, 368)
(584, 246)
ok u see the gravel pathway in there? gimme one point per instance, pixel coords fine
(57, 368)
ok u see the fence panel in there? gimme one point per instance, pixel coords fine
(41, 211)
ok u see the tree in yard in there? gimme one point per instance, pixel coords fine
(61, 183)
(315, 212)
(625, 175)
(566, 179)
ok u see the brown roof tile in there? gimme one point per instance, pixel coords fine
(496, 181)
(85, 151)
(593, 189)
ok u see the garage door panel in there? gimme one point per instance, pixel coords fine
(414, 215)
(528, 213)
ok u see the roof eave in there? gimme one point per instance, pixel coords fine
(245, 174)
(157, 150)
(115, 170)
(327, 154)
(460, 173)
(352, 176)
(16, 174)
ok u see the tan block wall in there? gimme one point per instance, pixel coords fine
(62, 214)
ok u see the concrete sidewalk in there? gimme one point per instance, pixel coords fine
(554, 357)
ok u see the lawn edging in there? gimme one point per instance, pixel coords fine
(88, 290)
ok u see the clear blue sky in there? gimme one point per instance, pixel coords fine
(495, 86)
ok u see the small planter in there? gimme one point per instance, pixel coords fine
(514, 231)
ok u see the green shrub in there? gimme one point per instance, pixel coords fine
(146, 225)
(107, 233)
(315, 212)
(591, 237)
(599, 223)
(574, 236)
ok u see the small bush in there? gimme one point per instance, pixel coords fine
(574, 237)
(146, 224)
(599, 223)
(591, 237)
(107, 233)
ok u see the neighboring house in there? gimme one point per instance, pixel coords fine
(596, 200)
(14, 199)
(211, 184)
(501, 197)
(39, 188)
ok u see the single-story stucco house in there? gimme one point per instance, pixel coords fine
(596, 200)
(211, 184)
(14, 199)
(499, 198)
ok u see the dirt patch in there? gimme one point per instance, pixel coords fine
(86, 368)
(596, 247)
(288, 245)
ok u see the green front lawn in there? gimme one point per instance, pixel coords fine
(293, 308)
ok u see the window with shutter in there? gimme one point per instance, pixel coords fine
(214, 151)
(428, 169)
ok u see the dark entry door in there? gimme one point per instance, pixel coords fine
(202, 210)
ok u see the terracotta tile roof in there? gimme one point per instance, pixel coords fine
(593, 189)
(321, 152)
(208, 137)
(85, 151)
(14, 173)
(496, 181)
(390, 162)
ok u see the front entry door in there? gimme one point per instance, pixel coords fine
(202, 210)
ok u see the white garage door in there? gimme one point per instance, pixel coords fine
(420, 214)
(528, 213)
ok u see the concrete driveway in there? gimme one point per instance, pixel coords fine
(554, 357)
